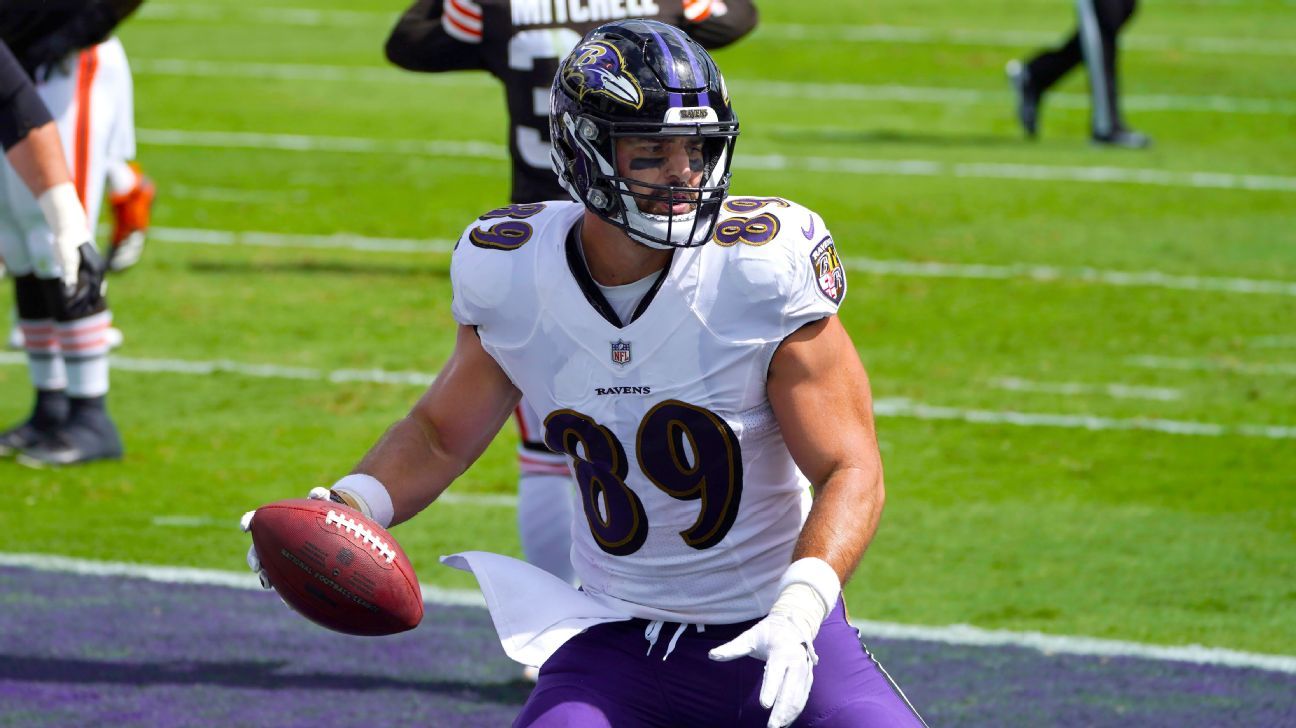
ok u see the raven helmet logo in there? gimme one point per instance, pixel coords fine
(620, 352)
(599, 68)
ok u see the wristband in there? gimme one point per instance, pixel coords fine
(371, 496)
(816, 574)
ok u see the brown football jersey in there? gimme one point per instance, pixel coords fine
(520, 42)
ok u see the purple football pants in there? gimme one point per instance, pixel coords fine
(609, 677)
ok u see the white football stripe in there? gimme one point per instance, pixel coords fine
(769, 162)
(762, 88)
(784, 31)
(1120, 391)
(884, 407)
(903, 407)
(956, 634)
(1212, 365)
(1040, 273)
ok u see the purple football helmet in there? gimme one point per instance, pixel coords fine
(641, 78)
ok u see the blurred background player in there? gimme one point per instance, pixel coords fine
(521, 44)
(83, 79)
(52, 34)
(58, 280)
(1094, 42)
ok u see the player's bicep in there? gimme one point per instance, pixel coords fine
(821, 399)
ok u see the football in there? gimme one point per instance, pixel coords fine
(336, 567)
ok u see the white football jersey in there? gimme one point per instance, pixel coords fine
(691, 502)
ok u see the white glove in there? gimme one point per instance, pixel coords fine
(66, 219)
(253, 562)
(785, 641)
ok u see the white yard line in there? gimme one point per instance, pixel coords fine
(768, 162)
(338, 241)
(884, 407)
(837, 92)
(955, 634)
(904, 407)
(877, 33)
(484, 500)
(1020, 39)
(1212, 365)
(900, 268)
(1277, 341)
(1119, 391)
(1048, 273)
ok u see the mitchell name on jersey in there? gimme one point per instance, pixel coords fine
(692, 503)
(560, 12)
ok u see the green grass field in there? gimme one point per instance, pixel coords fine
(1166, 296)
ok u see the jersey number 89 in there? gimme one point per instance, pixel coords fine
(685, 451)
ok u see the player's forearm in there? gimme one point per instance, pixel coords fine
(412, 465)
(845, 515)
(38, 159)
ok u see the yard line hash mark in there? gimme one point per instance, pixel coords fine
(757, 88)
(1120, 391)
(768, 162)
(882, 407)
(874, 33)
(900, 268)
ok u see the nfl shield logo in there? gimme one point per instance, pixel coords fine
(620, 352)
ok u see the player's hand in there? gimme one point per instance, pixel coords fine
(83, 281)
(253, 561)
(786, 643)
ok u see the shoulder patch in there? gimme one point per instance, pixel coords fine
(829, 274)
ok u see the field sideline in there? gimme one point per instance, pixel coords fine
(1084, 361)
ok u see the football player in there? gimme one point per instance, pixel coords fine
(84, 81)
(520, 43)
(684, 350)
(1094, 42)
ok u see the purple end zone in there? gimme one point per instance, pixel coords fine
(83, 651)
(79, 650)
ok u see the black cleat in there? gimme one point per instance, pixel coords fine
(20, 438)
(73, 445)
(1028, 98)
(48, 414)
(88, 435)
(1124, 138)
